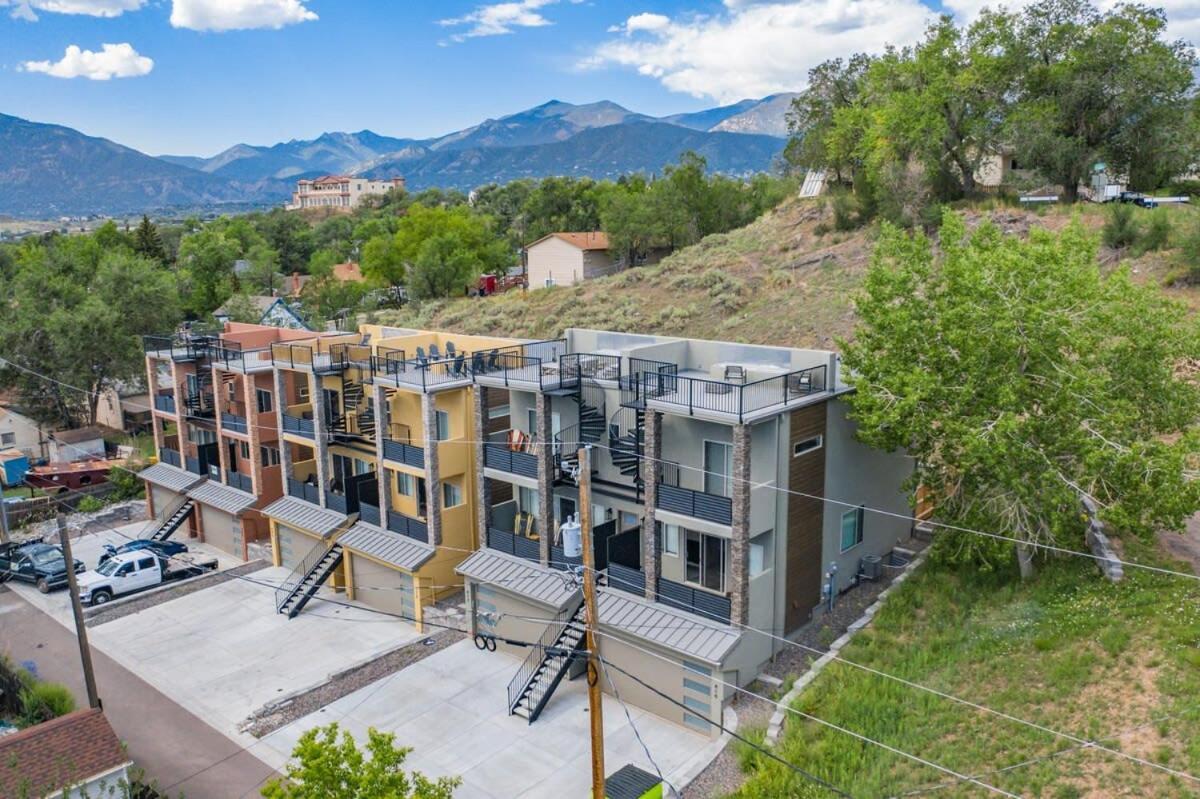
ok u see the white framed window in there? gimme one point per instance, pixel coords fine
(527, 498)
(852, 528)
(263, 398)
(269, 455)
(302, 391)
(442, 422)
(451, 495)
(404, 484)
(245, 449)
(706, 560)
(670, 539)
(807, 445)
(759, 554)
(718, 468)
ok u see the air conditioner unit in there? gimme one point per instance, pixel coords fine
(871, 567)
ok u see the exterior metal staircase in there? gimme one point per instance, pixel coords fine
(300, 586)
(590, 429)
(174, 520)
(546, 664)
(626, 441)
(354, 401)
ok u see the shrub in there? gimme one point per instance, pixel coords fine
(44, 701)
(1189, 251)
(1120, 229)
(13, 681)
(1157, 235)
(90, 504)
(128, 484)
(846, 212)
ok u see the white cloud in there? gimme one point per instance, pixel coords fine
(500, 18)
(757, 47)
(113, 61)
(27, 9)
(228, 15)
(1183, 16)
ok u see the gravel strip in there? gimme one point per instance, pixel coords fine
(120, 608)
(279, 714)
(724, 774)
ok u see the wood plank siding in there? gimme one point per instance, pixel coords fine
(805, 517)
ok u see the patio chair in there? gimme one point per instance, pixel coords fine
(493, 362)
(460, 364)
(421, 355)
(450, 349)
(735, 374)
(477, 363)
(433, 352)
(800, 384)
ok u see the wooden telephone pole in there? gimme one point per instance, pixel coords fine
(589, 600)
(85, 652)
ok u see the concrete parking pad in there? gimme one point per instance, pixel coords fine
(450, 708)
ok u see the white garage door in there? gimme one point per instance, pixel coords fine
(293, 546)
(383, 588)
(218, 530)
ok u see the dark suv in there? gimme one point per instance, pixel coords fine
(35, 562)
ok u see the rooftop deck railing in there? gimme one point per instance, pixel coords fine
(725, 397)
(419, 373)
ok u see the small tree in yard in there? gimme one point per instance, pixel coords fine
(1020, 378)
(326, 765)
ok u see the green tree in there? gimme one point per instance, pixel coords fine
(328, 766)
(290, 236)
(440, 251)
(834, 88)
(1020, 377)
(442, 267)
(206, 261)
(148, 243)
(381, 261)
(263, 276)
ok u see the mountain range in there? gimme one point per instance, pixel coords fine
(51, 170)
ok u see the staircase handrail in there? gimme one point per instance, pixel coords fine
(537, 653)
(288, 587)
(155, 524)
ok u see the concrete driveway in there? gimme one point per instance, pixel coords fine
(450, 708)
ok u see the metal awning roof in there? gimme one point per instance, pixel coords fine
(305, 515)
(677, 630)
(519, 576)
(170, 477)
(391, 548)
(222, 497)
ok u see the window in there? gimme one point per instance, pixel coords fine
(549, 282)
(264, 400)
(670, 539)
(442, 422)
(404, 484)
(527, 498)
(245, 450)
(8, 439)
(146, 563)
(269, 455)
(451, 495)
(302, 391)
(231, 391)
(807, 445)
(718, 467)
(695, 722)
(498, 411)
(760, 546)
(852, 528)
(706, 561)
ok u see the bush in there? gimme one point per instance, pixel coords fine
(846, 213)
(14, 680)
(44, 701)
(90, 504)
(1189, 252)
(128, 484)
(1157, 235)
(1120, 229)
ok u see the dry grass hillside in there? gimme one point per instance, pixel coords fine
(779, 280)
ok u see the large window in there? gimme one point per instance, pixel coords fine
(852, 528)
(404, 484)
(442, 420)
(718, 467)
(706, 560)
(8, 439)
(451, 495)
(527, 498)
(264, 400)
(670, 539)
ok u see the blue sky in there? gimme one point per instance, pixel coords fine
(196, 76)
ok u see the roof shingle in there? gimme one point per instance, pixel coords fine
(63, 752)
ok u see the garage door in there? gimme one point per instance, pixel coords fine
(294, 546)
(383, 588)
(687, 682)
(218, 530)
(506, 615)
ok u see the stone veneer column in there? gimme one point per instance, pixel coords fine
(285, 448)
(651, 562)
(739, 545)
(543, 438)
(483, 492)
(433, 475)
(218, 404)
(382, 473)
(254, 432)
(321, 446)
(152, 381)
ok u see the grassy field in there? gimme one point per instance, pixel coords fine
(1067, 650)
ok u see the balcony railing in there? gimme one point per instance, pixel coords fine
(420, 373)
(499, 454)
(695, 600)
(520, 546)
(335, 502)
(230, 355)
(731, 398)
(305, 491)
(632, 581)
(369, 513)
(302, 356)
(170, 457)
(408, 526)
(298, 426)
(193, 466)
(239, 481)
(234, 423)
(164, 403)
(407, 454)
(696, 504)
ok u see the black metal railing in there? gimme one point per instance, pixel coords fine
(499, 454)
(293, 580)
(408, 526)
(193, 466)
(239, 481)
(399, 452)
(164, 403)
(725, 397)
(298, 426)
(632, 581)
(369, 513)
(335, 502)
(302, 490)
(512, 544)
(421, 373)
(171, 457)
(696, 600)
(234, 423)
(697, 504)
(645, 377)
(537, 653)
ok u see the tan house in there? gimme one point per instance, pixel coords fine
(23, 433)
(339, 191)
(564, 259)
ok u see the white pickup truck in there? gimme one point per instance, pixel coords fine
(130, 572)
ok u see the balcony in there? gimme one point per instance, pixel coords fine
(408, 526)
(369, 513)
(697, 504)
(193, 465)
(336, 502)
(407, 454)
(193, 346)
(419, 374)
(726, 400)
(305, 491)
(232, 423)
(239, 481)
(507, 452)
(518, 545)
(694, 600)
(165, 403)
(298, 426)
(232, 357)
(323, 359)
(170, 457)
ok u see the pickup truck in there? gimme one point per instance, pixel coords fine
(35, 562)
(165, 549)
(130, 572)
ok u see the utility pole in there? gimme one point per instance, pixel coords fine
(4, 539)
(85, 652)
(589, 599)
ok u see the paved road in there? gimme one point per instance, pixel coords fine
(174, 747)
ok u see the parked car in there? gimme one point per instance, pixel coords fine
(35, 562)
(166, 549)
(130, 572)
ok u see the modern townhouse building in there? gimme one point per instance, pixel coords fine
(712, 466)
(378, 457)
(215, 423)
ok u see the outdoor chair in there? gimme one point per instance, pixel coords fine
(477, 363)
(493, 362)
(799, 384)
(735, 374)
(433, 352)
(460, 364)
(450, 349)
(421, 355)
